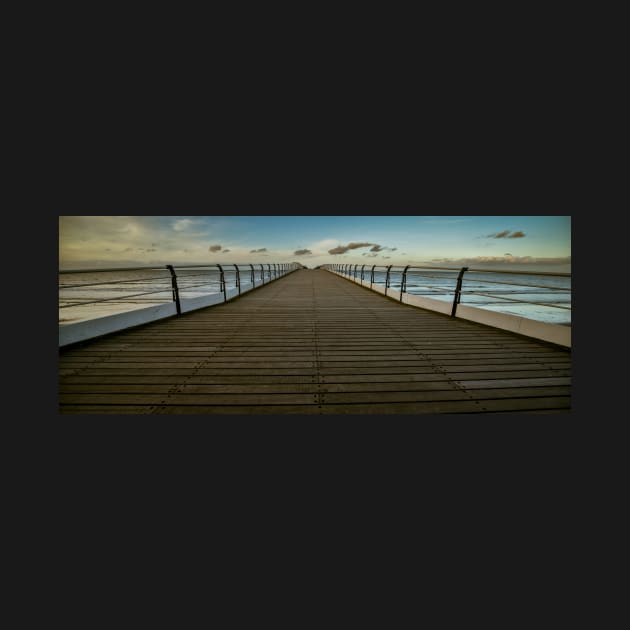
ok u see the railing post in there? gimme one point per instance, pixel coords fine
(372, 276)
(458, 290)
(403, 283)
(175, 289)
(269, 265)
(238, 279)
(362, 269)
(222, 283)
(275, 272)
(387, 279)
(354, 277)
(253, 279)
(262, 274)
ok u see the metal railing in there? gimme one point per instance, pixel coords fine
(158, 284)
(475, 287)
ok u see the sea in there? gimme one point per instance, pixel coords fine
(89, 295)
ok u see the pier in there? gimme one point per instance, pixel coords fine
(312, 342)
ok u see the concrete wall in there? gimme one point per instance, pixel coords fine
(80, 331)
(554, 333)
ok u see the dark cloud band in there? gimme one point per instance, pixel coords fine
(506, 234)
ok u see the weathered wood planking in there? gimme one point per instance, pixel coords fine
(312, 343)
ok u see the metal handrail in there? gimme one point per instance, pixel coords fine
(459, 290)
(279, 270)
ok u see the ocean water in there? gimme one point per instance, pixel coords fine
(96, 294)
(543, 298)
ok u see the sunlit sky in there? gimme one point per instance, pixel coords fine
(499, 241)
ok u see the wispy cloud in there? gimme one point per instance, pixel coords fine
(506, 258)
(342, 249)
(302, 252)
(506, 234)
(214, 248)
(182, 224)
(256, 251)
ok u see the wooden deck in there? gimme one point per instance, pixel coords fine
(314, 343)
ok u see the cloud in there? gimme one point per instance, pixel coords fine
(225, 251)
(323, 245)
(342, 249)
(506, 258)
(182, 224)
(505, 233)
(214, 248)
(256, 251)
(302, 252)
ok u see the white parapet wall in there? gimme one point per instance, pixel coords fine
(80, 331)
(91, 328)
(554, 333)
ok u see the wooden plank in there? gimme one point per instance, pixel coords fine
(116, 388)
(541, 373)
(186, 378)
(105, 409)
(201, 371)
(420, 407)
(239, 409)
(405, 386)
(188, 399)
(521, 404)
(430, 376)
(519, 392)
(394, 396)
(513, 382)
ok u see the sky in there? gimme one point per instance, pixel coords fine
(541, 243)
